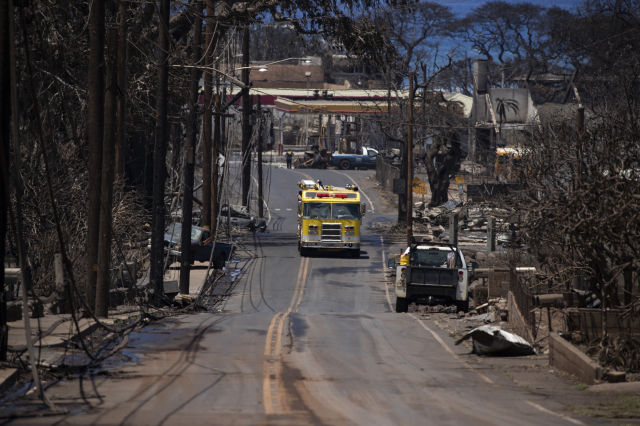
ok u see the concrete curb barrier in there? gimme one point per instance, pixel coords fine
(8, 377)
(565, 356)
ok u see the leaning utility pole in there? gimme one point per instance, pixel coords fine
(410, 164)
(121, 141)
(160, 154)
(247, 107)
(259, 123)
(96, 128)
(206, 120)
(108, 157)
(192, 126)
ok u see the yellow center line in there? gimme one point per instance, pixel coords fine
(273, 392)
(304, 174)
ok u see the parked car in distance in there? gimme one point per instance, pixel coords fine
(201, 247)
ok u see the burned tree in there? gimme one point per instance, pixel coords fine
(447, 148)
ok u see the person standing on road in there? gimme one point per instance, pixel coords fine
(289, 157)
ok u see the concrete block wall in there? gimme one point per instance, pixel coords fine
(565, 356)
(516, 321)
(495, 282)
(386, 173)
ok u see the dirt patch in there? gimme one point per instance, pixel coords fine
(622, 407)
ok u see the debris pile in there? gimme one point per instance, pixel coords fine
(621, 353)
(492, 340)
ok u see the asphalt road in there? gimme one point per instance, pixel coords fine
(302, 341)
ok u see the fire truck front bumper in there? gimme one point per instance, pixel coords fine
(343, 245)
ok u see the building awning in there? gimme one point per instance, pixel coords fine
(327, 106)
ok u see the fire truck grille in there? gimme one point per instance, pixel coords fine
(331, 231)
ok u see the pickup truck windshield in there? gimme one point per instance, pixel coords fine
(435, 258)
(317, 211)
(176, 231)
(346, 211)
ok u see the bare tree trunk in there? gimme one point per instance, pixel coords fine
(247, 107)
(206, 121)
(410, 164)
(160, 154)
(402, 198)
(108, 166)
(187, 202)
(627, 275)
(439, 177)
(96, 128)
(121, 141)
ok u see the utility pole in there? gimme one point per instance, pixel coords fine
(96, 128)
(6, 52)
(192, 125)
(121, 141)
(247, 107)
(306, 113)
(206, 120)
(160, 154)
(216, 154)
(259, 123)
(410, 164)
(108, 157)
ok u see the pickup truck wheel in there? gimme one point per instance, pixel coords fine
(463, 306)
(402, 304)
(219, 262)
(345, 164)
(304, 252)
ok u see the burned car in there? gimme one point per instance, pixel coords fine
(201, 245)
(239, 216)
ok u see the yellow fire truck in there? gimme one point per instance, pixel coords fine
(329, 218)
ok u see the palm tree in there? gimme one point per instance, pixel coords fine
(504, 105)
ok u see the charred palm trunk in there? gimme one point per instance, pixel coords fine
(108, 169)
(160, 154)
(96, 129)
(121, 140)
(5, 121)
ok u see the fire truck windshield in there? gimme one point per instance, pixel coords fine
(346, 211)
(317, 211)
(342, 211)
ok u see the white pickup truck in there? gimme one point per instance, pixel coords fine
(433, 274)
